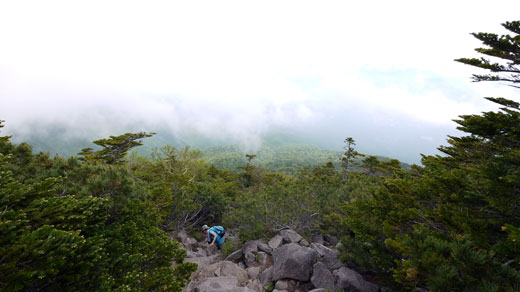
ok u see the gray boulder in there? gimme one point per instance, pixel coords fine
(244, 289)
(255, 285)
(250, 260)
(351, 280)
(282, 285)
(266, 276)
(317, 238)
(264, 247)
(290, 236)
(185, 239)
(251, 246)
(216, 284)
(203, 261)
(331, 240)
(294, 262)
(322, 277)
(264, 260)
(276, 241)
(253, 272)
(231, 269)
(318, 290)
(327, 256)
(235, 256)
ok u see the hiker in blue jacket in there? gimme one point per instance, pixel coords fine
(214, 234)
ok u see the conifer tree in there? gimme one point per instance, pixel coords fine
(115, 148)
(453, 224)
(505, 49)
(349, 155)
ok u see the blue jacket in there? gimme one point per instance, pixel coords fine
(219, 240)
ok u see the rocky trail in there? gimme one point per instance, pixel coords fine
(286, 263)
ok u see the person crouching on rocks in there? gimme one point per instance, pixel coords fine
(215, 235)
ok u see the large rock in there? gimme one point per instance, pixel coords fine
(331, 240)
(290, 236)
(244, 289)
(216, 284)
(264, 260)
(205, 271)
(327, 256)
(351, 280)
(322, 277)
(304, 242)
(196, 253)
(265, 248)
(276, 241)
(282, 285)
(294, 262)
(254, 285)
(185, 239)
(318, 290)
(250, 259)
(317, 238)
(251, 246)
(266, 276)
(231, 269)
(253, 272)
(203, 261)
(235, 256)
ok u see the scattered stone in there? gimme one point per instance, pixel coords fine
(283, 264)
(351, 280)
(266, 276)
(276, 241)
(331, 240)
(264, 260)
(203, 261)
(251, 246)
(322, 277)
(216, 284)
(282, 285)
(290, 236)
(185, 239)
(317, 238)
(294, 262)
(265, 248)
(244, 289)
(235, 256)
(250, 259)
(327, 256)
(254, 285)
(231, 269)
(253, 272)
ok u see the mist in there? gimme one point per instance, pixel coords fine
(232, 72)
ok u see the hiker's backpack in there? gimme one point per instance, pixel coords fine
(219, 230)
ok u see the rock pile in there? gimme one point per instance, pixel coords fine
(286, 263)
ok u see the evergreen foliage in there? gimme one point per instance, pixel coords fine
(115, 148)
(451, 225)
(67, 225)
(505, 48)
(186, 190)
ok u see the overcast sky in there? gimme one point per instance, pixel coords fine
(379, 71)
